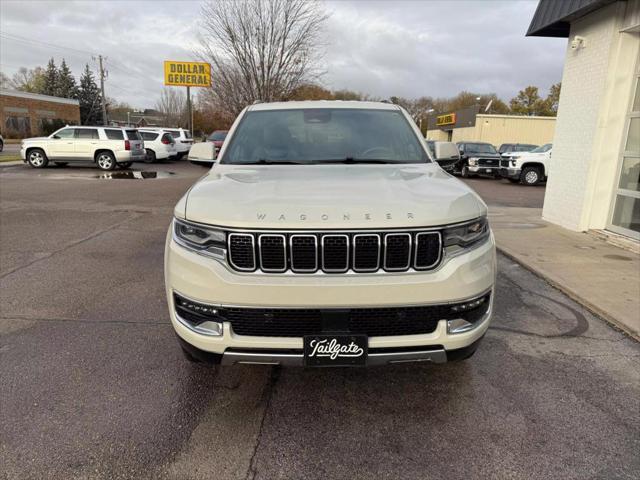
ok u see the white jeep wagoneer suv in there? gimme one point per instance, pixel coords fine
(326, 235)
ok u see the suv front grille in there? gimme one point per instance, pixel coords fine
(335, 252)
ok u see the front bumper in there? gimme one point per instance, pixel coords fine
(208, 281)
(510, 172)
(484, 170)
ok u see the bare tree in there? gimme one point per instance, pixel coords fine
(260, 49)
(173, 104)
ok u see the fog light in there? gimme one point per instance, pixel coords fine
(198, 317)
(208, 328)
(463, 307)
(458, 325)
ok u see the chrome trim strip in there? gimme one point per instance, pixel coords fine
(415, 256)
(307, 307)
(361, 270)
(297, 359)
(315, 246)
(334, 270)
(284, 256)
(253, 251)
(384, 262)
(379, 229)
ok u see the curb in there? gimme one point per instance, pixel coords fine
(11, 164)
(572, 294)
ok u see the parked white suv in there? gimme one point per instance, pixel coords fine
(159, 144)
(326, 235)
(528, 168)
(181, 137)
(105, 146)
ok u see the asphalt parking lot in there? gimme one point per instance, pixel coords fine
(94, 384)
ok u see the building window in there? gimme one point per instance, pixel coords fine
(46, 126)
(17, 127)
(625, 214)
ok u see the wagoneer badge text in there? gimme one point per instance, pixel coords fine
(345, 217)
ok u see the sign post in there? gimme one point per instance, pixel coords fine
(187, 74)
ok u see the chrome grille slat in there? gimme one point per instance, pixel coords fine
(335, 252)
(303, 253)
(366, 253)
(427, 250)
(273, 253)
(242, 254)
(397, 252)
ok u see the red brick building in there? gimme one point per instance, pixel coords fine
(24, 114)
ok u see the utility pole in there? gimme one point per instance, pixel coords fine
(104, 100)
(189, 111)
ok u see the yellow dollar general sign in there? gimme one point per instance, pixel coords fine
(187, 74)
(448, 119)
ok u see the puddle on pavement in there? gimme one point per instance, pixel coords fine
(129, 175)
(617, 257)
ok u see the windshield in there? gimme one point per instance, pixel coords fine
(324, 135)
(542, 149)
(479, 148)
(524, 148)
(217, 136)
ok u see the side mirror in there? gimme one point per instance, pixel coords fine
(202, 152)
(56, 137)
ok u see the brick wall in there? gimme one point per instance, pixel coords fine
(14, 109)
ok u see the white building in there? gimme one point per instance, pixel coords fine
(595, 174)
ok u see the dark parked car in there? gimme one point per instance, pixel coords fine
(477, 158)
(508, 148)
(217, 138)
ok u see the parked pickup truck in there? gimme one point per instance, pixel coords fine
(528, 168)
(325, 234)
(478, 158)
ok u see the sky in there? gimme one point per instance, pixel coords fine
(383, 48)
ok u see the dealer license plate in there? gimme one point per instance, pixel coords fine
(335, 350)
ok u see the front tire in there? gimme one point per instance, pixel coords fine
(37, 158)
(106, 161)
(151, 156)
(465, 172)
(530, 176)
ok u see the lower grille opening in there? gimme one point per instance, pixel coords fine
(374, 322)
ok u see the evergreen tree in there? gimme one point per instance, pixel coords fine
(66, 83)
(90, 99)
(50, 79)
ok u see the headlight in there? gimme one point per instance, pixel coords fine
(465, 235)
(205, 240)
(473, 161)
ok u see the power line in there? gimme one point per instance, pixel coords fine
(18, 38)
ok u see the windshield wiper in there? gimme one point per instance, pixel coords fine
(353, 160)
(264, 161)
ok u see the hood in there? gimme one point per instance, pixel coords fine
(330, 196)
(531, 155)
(482, 155)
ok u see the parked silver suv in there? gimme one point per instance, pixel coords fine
(105, 146)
